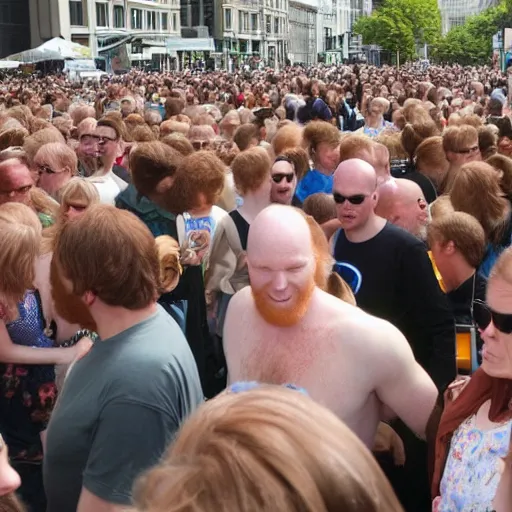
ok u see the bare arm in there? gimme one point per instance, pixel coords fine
(89, 502)
(401, 383)
(20, 354)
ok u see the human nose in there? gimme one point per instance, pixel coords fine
(280, 282)
(489, 332)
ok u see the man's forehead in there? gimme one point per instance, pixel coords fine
(14, 170)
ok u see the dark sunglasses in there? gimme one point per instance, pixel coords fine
(483, 315)
(277, 178)
(356, 199)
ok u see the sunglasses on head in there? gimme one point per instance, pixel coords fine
(355, 199)
(483, 315)
(278, 177)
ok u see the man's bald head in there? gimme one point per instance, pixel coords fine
(402, 202)
(356, 169)
(277, 226)
(408, 190)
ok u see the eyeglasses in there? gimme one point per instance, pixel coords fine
(355, 199)
(278, 177)
(200, 144)
(467, 151)
(483, 315)
(100, 139)
(16, 192)
(45, 169)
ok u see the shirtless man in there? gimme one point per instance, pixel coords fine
(284, 329)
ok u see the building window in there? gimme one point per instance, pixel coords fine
(240, 21)
(246, 22)
(151, 20)
(137, 19)
(165, 21)
(276, 25)
(227, 19)
(268, 23)
(101, 15)
(254, 22)
(76, 13)
(118, 16)
(174, 22)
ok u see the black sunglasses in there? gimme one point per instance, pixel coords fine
(356, 199)
(483, 315)
(278, 177)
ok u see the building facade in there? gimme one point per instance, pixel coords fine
(339, 43)
(303, 22)
(250, 31)
(455, 12)
(14, 27)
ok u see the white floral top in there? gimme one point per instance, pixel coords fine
(471, 474)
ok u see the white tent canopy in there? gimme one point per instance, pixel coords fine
(9, 64)
(67, 49)
(54, 49)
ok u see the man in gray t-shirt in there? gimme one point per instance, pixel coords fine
(123, 402)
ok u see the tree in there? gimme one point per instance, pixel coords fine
(400, 25)
(471, 43)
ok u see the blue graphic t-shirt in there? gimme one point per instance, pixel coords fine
(312, 183)
(198, 235)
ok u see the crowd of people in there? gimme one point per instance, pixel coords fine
(257, 291)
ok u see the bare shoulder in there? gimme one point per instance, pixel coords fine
(353, 323)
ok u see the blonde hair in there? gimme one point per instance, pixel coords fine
(76, 191)
(43, 203)
(265, 450)
(441, 206)
(58, 156)
(20, 232)
(170, 266)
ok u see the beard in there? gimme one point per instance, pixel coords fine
(68, 305)
(286, 316)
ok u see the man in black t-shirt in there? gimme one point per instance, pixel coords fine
(392, 277)
(390, 272)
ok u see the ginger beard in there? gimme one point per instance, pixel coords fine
(68, 305)
(284, 316)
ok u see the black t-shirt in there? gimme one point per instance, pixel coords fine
(392, 278)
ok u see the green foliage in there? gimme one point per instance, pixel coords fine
(471, 43)
(399, 25)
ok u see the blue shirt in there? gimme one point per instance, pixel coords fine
(312, 183)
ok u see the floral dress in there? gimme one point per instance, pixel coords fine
(471, 475)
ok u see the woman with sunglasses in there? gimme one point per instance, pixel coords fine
(475, 429)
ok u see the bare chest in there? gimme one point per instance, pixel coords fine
(314, 357)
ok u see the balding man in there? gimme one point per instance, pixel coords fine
(284, 329)
(390, 272)
(402, 203)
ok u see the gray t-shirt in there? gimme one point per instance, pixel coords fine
(120, 407)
